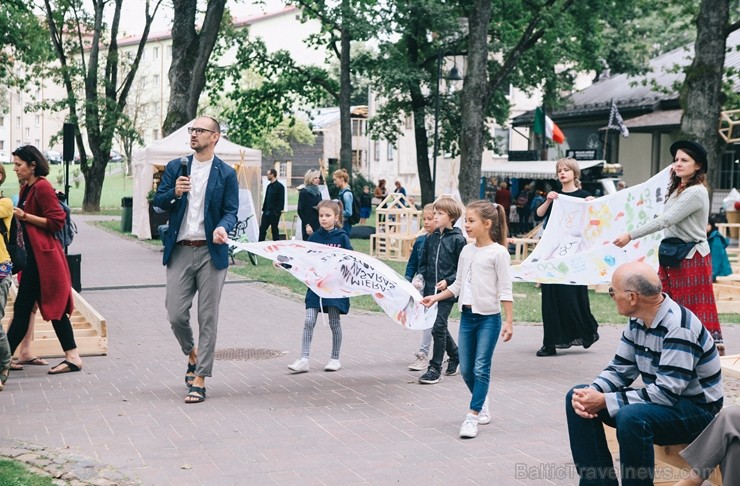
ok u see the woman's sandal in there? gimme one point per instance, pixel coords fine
(190, 377)
(197, 395)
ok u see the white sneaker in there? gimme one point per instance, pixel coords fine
(333, 365)
(420, 364)
(469, 428)
(299, 366)
(484, 416)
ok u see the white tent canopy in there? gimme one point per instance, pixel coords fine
(147, 161)
(532, 170)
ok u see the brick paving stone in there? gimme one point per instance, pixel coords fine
(369, 423)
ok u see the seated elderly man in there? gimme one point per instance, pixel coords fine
(665, 345)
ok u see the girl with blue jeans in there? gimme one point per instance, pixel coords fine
(482, 284)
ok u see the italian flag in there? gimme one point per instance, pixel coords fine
(544, 124)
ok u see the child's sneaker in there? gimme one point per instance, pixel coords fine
(431, 377)
(453, 367)
(469, 428)
(332, 365)
(484, 416)
(299, 365)
(420, 364)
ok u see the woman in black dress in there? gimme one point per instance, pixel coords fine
(308, 198)
(566, 313)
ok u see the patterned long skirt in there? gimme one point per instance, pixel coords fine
(691, 286)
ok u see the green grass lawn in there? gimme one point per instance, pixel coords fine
(527, 297)
(14, 474)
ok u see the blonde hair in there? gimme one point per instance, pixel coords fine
(571, 164)
(335, 206)
(494, 213)
(310, 175)
(342, 174)
(449, 206)
(428, 209)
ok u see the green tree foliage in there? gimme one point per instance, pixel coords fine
(24, 41)
(280, 139)
(258, 89)
(91, 70)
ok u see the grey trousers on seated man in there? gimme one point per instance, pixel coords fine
(719, 444)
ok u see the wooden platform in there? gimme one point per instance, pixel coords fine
(90, 329)
(669, 465)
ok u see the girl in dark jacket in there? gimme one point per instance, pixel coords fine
(438, 265)
(330, 233)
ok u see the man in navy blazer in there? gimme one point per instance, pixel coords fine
(203, 201)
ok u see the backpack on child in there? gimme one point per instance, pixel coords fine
(14, 243)
(353, 218)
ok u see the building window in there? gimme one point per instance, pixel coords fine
(409, 122)
(155, 52)
(2, 121)
(2, 144)
(156, 80)
(144, 81)
(169, 52)
(37, 120)
(28, 133)
(155, 133)
(501, 140)
(390, 151)
(18, 97)
(18, 122)
(37, 143)
(143, 55)
(376, 150)
(358, 128)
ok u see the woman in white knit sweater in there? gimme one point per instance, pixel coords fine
(685, 217)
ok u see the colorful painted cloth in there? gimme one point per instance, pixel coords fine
(335, 272)
(576, 247)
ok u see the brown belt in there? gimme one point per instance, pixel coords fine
(192, 243)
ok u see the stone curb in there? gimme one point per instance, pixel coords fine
(64, 468)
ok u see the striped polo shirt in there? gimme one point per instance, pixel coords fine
(675, 357)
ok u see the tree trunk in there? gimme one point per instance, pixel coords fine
(702, 89)
(94, 178)
(191, 51)
(345, 108)
(418, 107)
(474, 100)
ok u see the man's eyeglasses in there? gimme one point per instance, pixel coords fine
(198, 131)
(612, 292)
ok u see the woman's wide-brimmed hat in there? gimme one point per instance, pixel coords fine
(697, 149)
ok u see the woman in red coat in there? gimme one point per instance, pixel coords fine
(46, 279)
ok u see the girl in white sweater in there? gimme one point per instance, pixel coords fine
(482, 284)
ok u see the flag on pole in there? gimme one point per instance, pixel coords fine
(544, 124)
(616, 122)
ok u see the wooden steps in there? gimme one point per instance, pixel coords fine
(90, 329)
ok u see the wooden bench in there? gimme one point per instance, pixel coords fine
(669, 465)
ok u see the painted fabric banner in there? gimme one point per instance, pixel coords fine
(336, 272)
(576, 247)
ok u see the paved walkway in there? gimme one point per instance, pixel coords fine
(369, 423)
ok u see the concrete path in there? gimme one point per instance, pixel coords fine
(369, 423)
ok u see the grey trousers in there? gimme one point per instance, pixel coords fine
(718, 444)
(190, 270)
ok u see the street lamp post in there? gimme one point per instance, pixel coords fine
(453, 75)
